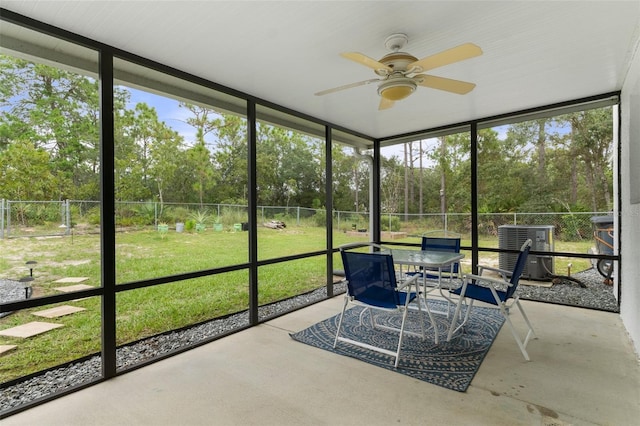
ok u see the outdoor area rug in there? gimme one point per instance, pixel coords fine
(451, 365)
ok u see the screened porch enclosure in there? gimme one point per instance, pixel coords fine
(166, 188)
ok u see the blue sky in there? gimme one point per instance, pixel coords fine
(168, 111)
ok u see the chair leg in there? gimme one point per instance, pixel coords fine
(419, 303)
(530, 332)
(514, 332)
(517, 338)
(526, 318)
(431, 319)
(404, 319)
(457, 314)
(344, 307)
(420, 315)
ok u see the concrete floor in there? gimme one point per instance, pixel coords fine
(583, 372)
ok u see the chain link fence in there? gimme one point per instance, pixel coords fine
(50, 218)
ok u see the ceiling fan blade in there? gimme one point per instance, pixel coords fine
(346, 86)
(385, 103)
(446, 57)
(446, 84)
(378, 67)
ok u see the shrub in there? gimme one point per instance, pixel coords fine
(231, 215)
(146, 213)
(320, 218)
(190, 225)
(175, 214)
(390, 223)
(92, 216)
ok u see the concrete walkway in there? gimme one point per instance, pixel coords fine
(583, 372)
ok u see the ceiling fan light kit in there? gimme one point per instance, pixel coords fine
(397, 89)
(399, 71)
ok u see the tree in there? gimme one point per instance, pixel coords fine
(199, 158)
(391, 184)
(592, 137)
(25, 173)
(344, 162)
(162, 158)
(58, 111)
(230, 158)
(285, 160)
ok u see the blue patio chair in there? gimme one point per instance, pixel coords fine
(432, 277)
(497, 292)
(448, 244)
(371, 283)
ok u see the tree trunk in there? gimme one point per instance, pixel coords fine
(421, 209)
(412, 180)
(357, 186)
(443, 177)
(574, 170)
(542, 138)
(602, 180)
(406, 185)
(591, 183)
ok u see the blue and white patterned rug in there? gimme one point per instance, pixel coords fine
(451, 365)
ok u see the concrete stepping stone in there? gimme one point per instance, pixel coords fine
(71, 280)
(70, 288)
(29, 329)
(58, 311)
(6, 348)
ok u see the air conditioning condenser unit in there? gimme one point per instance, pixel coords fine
(511, 237)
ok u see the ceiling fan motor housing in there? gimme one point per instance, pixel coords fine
(397, 61)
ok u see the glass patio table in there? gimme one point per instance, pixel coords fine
(422, 259)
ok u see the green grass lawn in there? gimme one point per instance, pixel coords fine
(152, 310)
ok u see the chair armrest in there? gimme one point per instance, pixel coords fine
(491, 281)
(502, 272)
(406, 282)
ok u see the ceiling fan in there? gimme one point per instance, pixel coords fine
(401, 73)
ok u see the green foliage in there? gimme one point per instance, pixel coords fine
(320, 217)
(190, 225)
(390, 223)
(49, 149)
(231, 215)
(176, 214)
(146, 213)
(200, 216)
(92, 216)
(26, 173)
(575, 228)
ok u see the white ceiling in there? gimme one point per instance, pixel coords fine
(535, 52)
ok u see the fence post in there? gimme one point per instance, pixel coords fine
(8, 218)
(67, 231)
(298, 218)
(1, 218)
(515, 218)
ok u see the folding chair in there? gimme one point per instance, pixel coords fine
(488, 290)
(371, 283)
(448, 244)
(432, 275)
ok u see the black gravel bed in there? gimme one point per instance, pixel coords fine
(595, 295)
